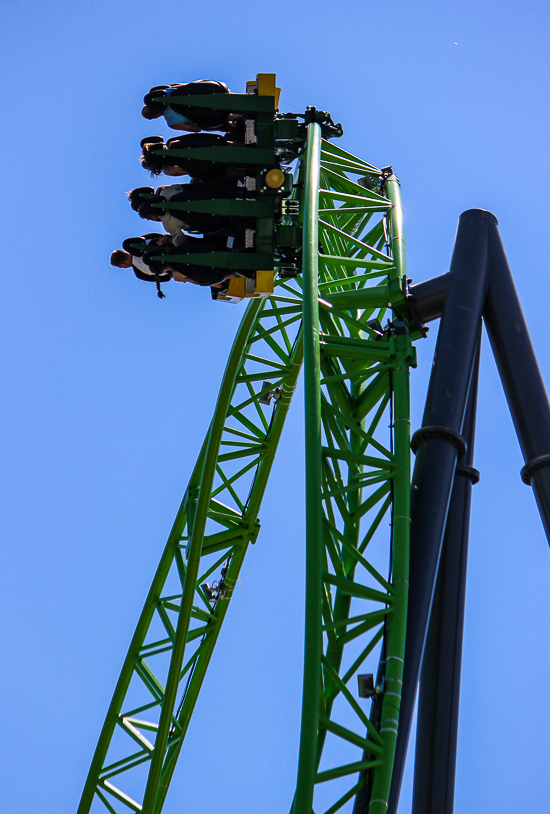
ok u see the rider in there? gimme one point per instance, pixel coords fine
(143, 254)
(175, 220)
(131, 256)
(195, 167)
(142, 196)
(185, 116)
(202, 275)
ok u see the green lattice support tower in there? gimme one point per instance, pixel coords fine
(358, 478)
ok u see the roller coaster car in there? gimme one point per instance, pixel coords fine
(240, 288)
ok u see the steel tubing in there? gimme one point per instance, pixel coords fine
(519, 373)
(429, 297)
(437, 454)
(307, 761)
(439, 690)
(516, 362)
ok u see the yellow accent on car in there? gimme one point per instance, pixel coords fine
(267, 86)
(241, 288)
(274, 179)
(264, 283)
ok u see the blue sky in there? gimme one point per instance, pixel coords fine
(107, 391)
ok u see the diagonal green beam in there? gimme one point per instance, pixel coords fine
(307, 768)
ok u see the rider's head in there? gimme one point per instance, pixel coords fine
(149, 160)
(148, 212)
(120, 259)
(147, 113)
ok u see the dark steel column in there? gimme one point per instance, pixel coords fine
(439, 446)
(439, 691)
(516, 361)
(520, 375)
(428, 298)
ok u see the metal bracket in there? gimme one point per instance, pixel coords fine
(439, 432)
(274, 394)
(409, 300)
(290, 208)
(469, 472)
(532, 466)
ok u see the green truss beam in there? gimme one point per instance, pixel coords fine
(357, 491)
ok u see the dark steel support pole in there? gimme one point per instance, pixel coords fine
(520, 375)
(429, 297)
(439, 691)
(439, 445)
(516, 361)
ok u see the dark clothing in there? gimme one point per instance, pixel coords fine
(194, 221)
(201, 116)
(137, 247)
(203, 275)
(196, 167)
(150, 276)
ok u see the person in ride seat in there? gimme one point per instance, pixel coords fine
(141, 196)
(131, 257)
(201, 169)
(124, 260)
(175, 220)
(187, 117)
(201, 275)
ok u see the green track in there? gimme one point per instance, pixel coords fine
(357, 514)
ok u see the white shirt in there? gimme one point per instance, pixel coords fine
(169, 191)
(174, 226)
(138, 263)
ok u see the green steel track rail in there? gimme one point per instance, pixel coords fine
(150, 711)
(356, 384)
(357, 523)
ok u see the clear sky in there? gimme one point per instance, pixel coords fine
(107, 391)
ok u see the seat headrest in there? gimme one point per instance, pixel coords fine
(134, 246)
(136, 196)
(151, 140)
(155, 94)
(146, 209)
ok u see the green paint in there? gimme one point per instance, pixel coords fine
(314, 526)
(357, 476)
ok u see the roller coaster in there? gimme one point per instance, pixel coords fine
(324, 273)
